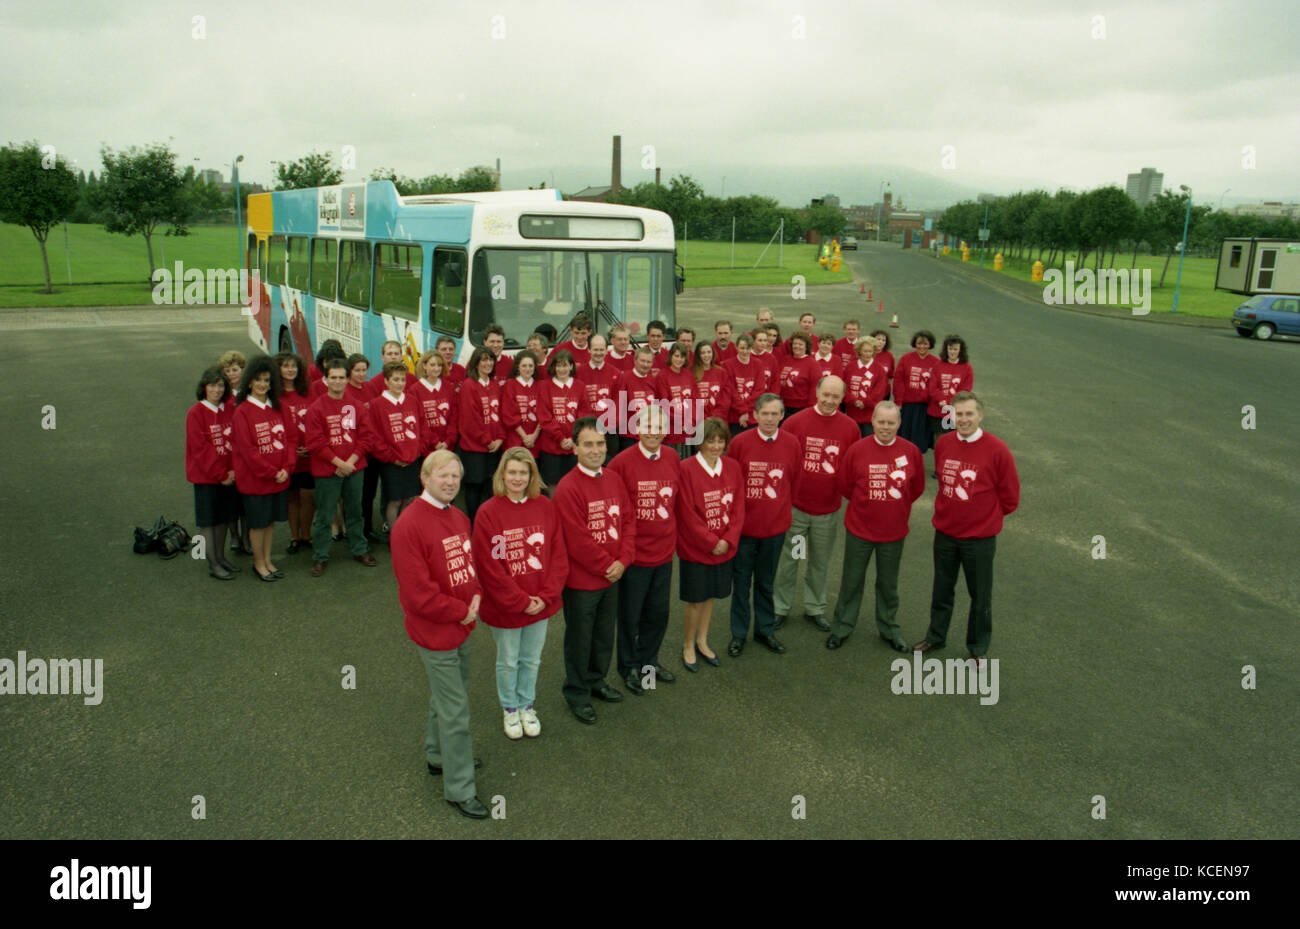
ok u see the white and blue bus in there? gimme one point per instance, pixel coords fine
(363, 265)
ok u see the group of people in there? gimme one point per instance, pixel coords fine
(734, 455)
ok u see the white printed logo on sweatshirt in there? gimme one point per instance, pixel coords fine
(958, 479)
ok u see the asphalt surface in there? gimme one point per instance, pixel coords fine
(1119, 677)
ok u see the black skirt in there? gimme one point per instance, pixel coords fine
(915, 426)
(302, 480)
(479, 466)
(554, 467)
(262, 510)
(698, 582)
(400, 482)
(214, 504)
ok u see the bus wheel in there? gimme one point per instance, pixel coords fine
(286, 341)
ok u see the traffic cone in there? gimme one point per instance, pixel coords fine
(893, 323)
(880, 306)
(868, 296)
(864, 290)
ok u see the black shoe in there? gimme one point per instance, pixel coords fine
(736, 647)
(585, 714)
(780, 621)
(897, 645)
(229, 566)
(833, 641)
(436, 769)
(220, 573)
(269, 578)
(293, 547)
(603, 691)
(820, 622)
(771, 642)
(471, 808)
(663, 674)
(373, 536)
(707, 660)
(633, 684)
(692, 666)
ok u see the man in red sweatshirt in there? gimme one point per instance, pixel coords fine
(769, 461)
(825, 435)
(600, 539)
(978, 486)
(439, 593)
(882, 476)
(649, 473)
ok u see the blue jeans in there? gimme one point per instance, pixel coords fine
(519, 655)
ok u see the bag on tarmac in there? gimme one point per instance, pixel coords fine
(146, 540)
(167, 538)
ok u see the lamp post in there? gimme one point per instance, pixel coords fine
(239, 223)
(880, 197)
(1220, 206)
(1182, 249)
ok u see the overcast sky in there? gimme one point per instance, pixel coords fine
(792, 99)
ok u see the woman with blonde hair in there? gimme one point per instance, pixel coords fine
(519, 554)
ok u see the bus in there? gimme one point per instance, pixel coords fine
(363, 265)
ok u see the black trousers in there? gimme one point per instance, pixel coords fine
(754, 567)
(642, 615)
(974, 557)
(590, 617)
(369, 487)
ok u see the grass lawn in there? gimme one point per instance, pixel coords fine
(708, 264)
(1197, 296)
(107, 269)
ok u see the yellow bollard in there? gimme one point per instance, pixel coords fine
(997, 262)
(946, 249)
(1036, 273)
(835, 263)
(965, 252)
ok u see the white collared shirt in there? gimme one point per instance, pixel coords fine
(428, 497)
(433, 386)
(210, 406)
(588, 473)
(258, 403)
(395, 401)
(524, 383)
(650, 456)
(559, 383)
(885, 444)
(711, 472)
(974, 436)
(769, 438)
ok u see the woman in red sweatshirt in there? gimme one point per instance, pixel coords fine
(885, 356)
(519, 400)
(796, 378)
(396, 440)
(295, 403)
(713, 386)
(865, 384)
(912, 389)
(436, 395)
(710, 515)
(562, 401)
(481, 433)
(519, 552)
(951, 376)
(676, 388)
(209, 467)
(265, 453)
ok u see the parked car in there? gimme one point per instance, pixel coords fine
(1266, 315)
(848, 242)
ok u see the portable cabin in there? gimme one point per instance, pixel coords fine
(1258, 266)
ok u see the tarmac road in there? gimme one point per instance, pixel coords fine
(1119, 677)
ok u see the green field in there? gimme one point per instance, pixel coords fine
(708, 264)
(1197, 296)
(107, 270)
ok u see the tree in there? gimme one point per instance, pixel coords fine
(141, 190)
(312, 170)
(826, 220)
(37, 190)
(476, 179)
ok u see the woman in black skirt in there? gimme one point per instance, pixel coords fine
(210, 468)
(481, 432)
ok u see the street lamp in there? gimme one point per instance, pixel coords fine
(1220, 206)
(239, 223)
(880, 197)
(1182, 250)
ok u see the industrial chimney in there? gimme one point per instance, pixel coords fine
(658, 183)
(616, 172)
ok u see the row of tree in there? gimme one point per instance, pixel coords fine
(1101, 221)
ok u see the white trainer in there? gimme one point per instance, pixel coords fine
(514, 730)
(532, 727)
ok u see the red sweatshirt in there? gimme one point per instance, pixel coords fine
(631, 392)
(769, 470)
(749, 381)
(721, 355)
(433, 564)
(846, 350)
(678, 388)
(358, 395)
(912, 378)
(262, 448)
(652, 488)
(294, 407)
(708, 509)
(581, 356)
(501, 372)
(946, 381)
(207, 444)
(519, 408)
(395, 428)
(772, 361)
(336, 429)
(620, 363)
(316, 388)
(439, 408)
(865, 384)
(557, 410)
(375, 386)
(661, 358)
(479, 417)
(881, 483)
(600, 385)
(797, 383)
(887, 359)
(714, 387)
(599, 526)
(821, 367)
(824, 440)
(456, 374)
(519, 553)
(785, 347)
(978, 485)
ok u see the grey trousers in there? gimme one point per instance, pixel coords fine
(857, 556)
(446, 740)
(815, 536)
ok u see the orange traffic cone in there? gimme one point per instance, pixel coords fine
(880, 306)
(868, 296)
(863, 290)
(893, 323)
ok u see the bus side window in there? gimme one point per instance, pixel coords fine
(448, 298)
(299, 263)
(399, 271)
(354, 274)
(324, 267)
(275, 260)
